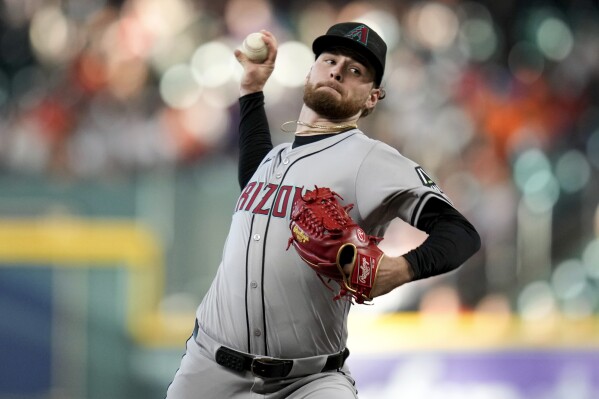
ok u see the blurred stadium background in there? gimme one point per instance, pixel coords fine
(118, 176)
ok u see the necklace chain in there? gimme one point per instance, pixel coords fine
(322, 129)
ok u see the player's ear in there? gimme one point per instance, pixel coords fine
(376, 94)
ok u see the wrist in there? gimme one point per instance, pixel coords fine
(405, 272)
(245, 90)
(252, 95)
(392, 272)
(398, 270)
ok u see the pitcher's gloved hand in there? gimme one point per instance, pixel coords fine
(328, 240)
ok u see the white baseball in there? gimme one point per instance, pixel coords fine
(254, 47)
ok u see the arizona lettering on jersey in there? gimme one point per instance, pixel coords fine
(258, 198)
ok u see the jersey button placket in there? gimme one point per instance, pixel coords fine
(254, 293)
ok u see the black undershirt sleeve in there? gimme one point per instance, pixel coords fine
(452, 240)
(254, 136)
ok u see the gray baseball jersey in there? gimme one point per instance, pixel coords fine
(264, 300)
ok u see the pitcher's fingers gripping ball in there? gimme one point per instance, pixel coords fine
(254, 47)
(327, 239)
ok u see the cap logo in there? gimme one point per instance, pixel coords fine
(359, 34)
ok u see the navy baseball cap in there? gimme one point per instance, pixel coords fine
(358, 37)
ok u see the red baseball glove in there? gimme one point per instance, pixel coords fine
(327, 239)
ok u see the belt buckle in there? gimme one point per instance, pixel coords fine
(268, 367)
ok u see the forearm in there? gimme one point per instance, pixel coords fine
(392, 272)
(254, 136)
(447, 247)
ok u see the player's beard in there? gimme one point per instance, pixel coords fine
(327, 104)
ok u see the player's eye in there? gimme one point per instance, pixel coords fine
(355, 71)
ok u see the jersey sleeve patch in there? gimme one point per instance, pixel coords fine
(426, 179)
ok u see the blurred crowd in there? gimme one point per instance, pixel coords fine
(499, 101)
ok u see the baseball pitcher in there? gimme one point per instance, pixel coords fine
(302, 247)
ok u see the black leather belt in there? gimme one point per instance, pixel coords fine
(267, 367)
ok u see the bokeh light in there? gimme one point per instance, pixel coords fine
(536, 301)
(541, 191)
(164, 18)
(480, 37)
(294, 60)
(433, 25)
(568, 279)
(53, 36)
(572, 171)
(179, 87)
(528, 164)
(213, 64)
(171, 51)
(554, 39)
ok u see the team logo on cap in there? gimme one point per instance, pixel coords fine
(359, 34)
